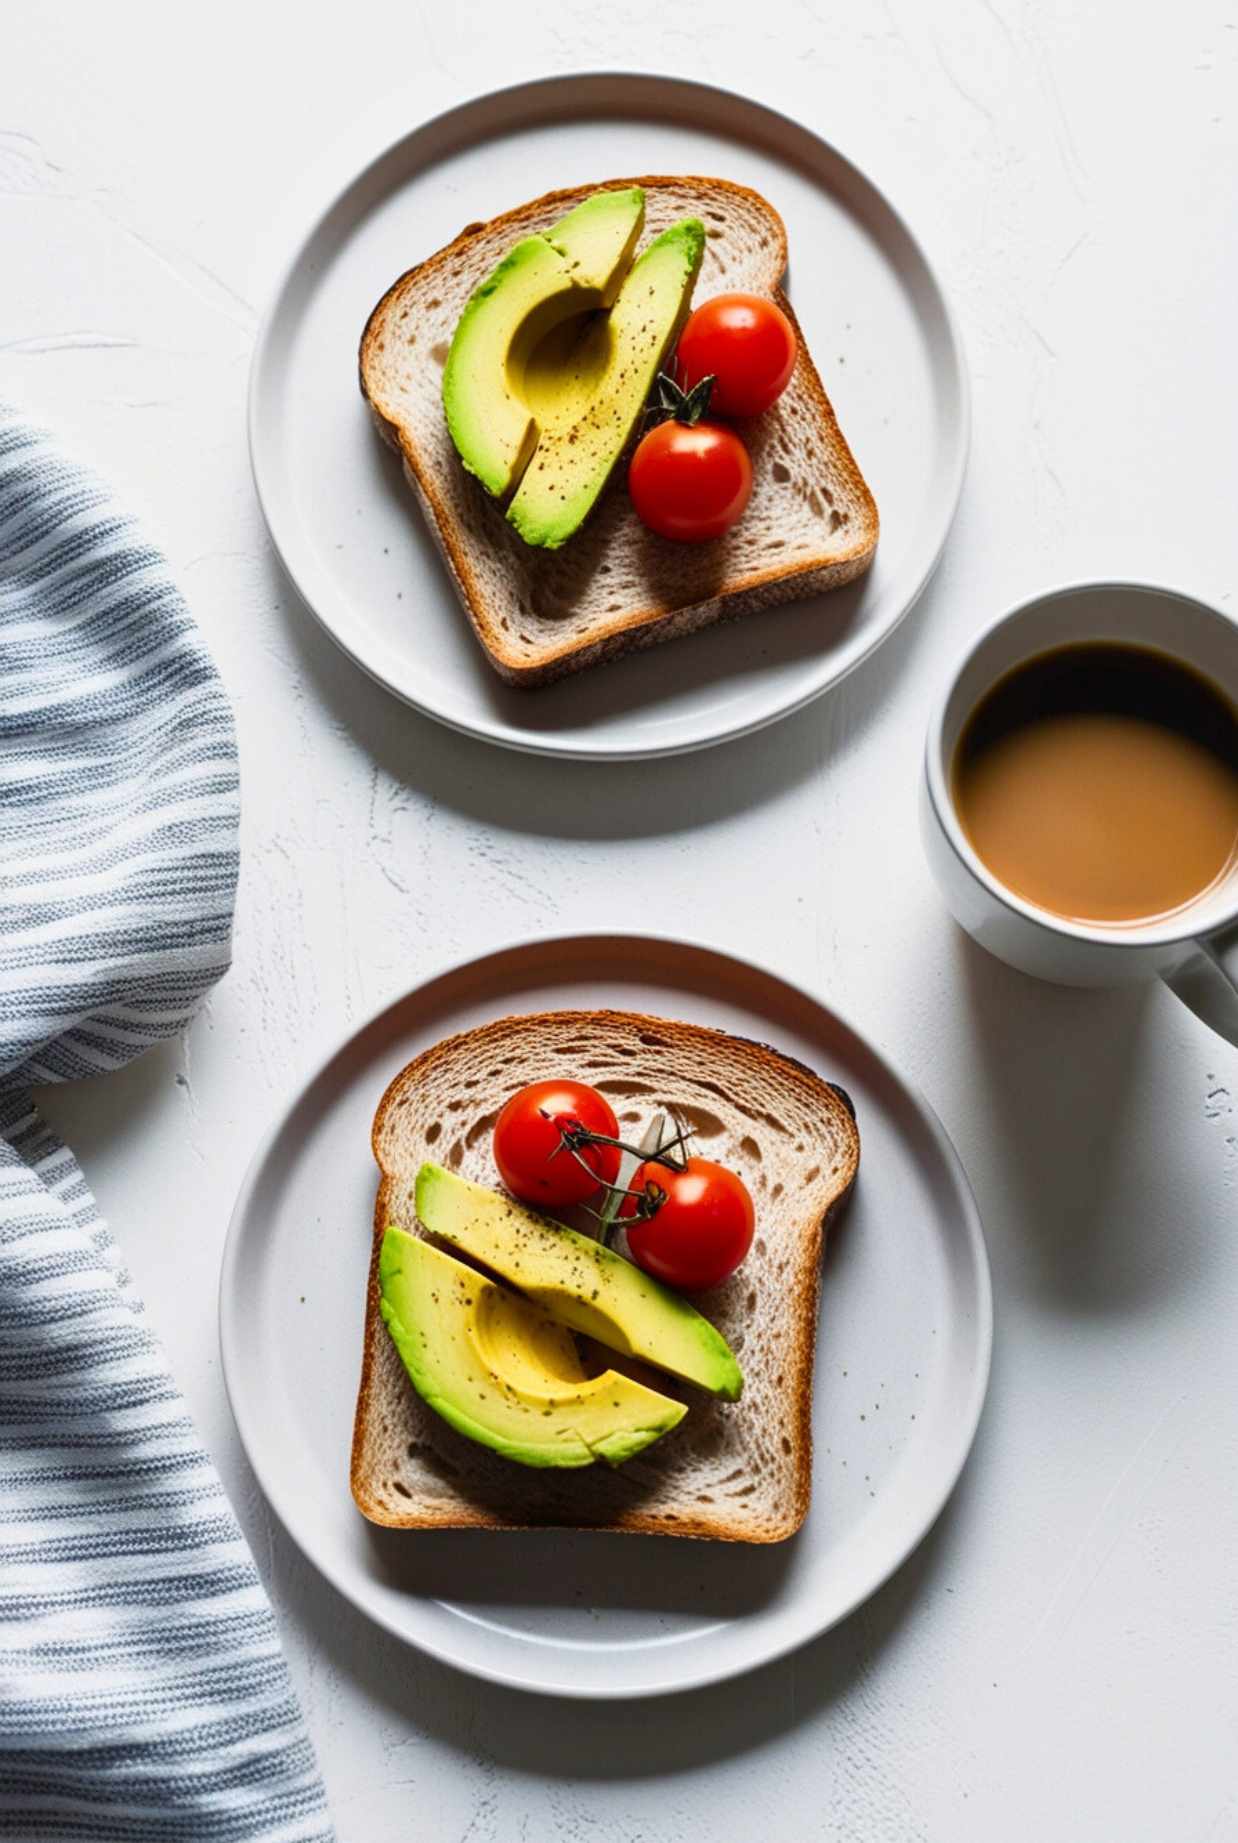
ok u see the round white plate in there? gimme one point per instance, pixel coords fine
(902, 1360)
(351, 536)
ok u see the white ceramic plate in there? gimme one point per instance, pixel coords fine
(902, 1364)
(349, 532)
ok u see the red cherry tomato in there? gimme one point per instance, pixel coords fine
(690, 482)
(746, 344)
(701, 1230)
(535, 1160)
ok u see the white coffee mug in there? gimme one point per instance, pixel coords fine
(1194, 950)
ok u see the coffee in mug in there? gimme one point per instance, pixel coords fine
(1099, 781)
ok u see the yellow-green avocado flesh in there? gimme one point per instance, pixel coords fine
(577, 1281)
(543, 387)
(604, 388)
(503, 1373)
(571, 270)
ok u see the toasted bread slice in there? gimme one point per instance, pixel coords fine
(811, 524)
(738, 1472)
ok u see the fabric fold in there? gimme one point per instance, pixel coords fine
(143, 1692)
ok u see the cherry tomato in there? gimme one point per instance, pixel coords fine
(746, 344)
(690, 481)
(699, 1233)
(534, 1159)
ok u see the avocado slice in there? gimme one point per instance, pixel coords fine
(503, 1373)
(573, 269)
(578, 1281)
(591, 399)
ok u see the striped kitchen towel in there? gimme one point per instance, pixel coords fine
(143, 1693)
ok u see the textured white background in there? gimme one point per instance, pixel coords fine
(1060, 1660)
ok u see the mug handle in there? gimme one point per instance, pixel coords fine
(1207, 982)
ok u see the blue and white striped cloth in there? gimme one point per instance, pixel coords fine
(143, 1693)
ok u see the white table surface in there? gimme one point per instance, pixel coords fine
(1060, 1660)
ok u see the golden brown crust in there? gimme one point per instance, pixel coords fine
(801, 1334)
(634, 628)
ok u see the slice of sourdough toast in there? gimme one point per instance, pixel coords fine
(737, 1472)
(811, 524)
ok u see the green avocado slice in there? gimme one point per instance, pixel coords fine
(501, 1372)
(591, 396)
(569, 272)
(578, 1281)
